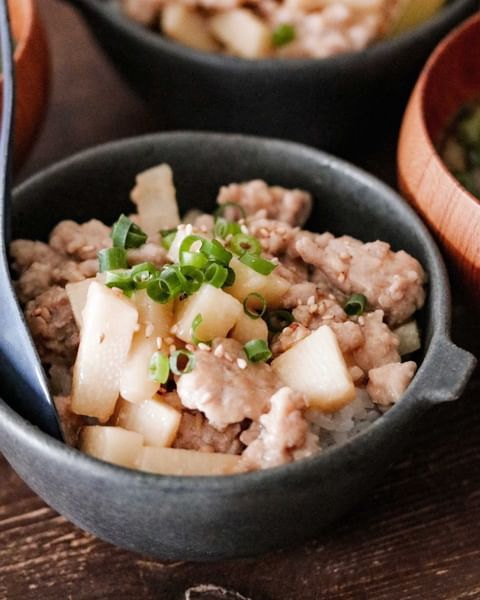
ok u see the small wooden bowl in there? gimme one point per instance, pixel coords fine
(32, 67)
(450, 79)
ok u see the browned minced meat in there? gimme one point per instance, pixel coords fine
(388, 383)
(51, 322)
(284, 433)
(80, 241)
(380, 344)
(391, 281)
(71, 423)
(225, 387)
(290, 206)
(196, 433)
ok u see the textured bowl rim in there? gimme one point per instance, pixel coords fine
(444, 47)
(439, 292)
(218, 60)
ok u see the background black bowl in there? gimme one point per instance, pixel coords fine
(220, 517)
(336, 103)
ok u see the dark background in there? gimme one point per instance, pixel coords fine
(416, 537)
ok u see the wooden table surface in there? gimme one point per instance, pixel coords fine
(417, 536)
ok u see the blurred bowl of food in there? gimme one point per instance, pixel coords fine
(32, 74)
(439, 149)
(350, 67)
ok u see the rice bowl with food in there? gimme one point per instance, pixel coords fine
(221, 344)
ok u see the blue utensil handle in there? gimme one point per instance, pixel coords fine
(449, 371)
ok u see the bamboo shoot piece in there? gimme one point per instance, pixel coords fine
(112, 444)
(187, 27)
(242, 33)
(155, 197)
(408, 337)
(157, 421)
(247, 329)
(173, 461)
(316, 367)
(272, 287)
(219, 312)
(77, 294)
(109, 322)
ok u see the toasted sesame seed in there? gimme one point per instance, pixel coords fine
(344, 255)
(244, 229)
(149, 329)
(299, 302)
(101, 338)
(331, 296)
(88, 248)
(169, 340)
(219, 351)
(190, 347)
(37, 312)
(311, 300)
(242, 364)
(159, 342)
(206, 397)
(327, 317)
(181, 227)
(174, 329)
(275, 260)
(188, 229)
(263, 231)
(361, 321)
(172, 348)
(229, 238)
(313, 308)
(341, 277)
(228, 357)
(137, 327)
(202, 346)
(241, 221)
(203, 228)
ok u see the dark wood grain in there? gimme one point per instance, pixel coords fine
(416, 537)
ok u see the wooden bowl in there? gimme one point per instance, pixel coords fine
(32, 74)
(450, 79)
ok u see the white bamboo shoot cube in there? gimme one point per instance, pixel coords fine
(135, 383)
(173, 461)
(272, 287)
(155, 317)
(109, 322)
(219, 311)
(242, 33)
(316, 367)
(247, 329)
(157, 421)
(112, 444)
(155, 197)
(187, 27)
(77, 295)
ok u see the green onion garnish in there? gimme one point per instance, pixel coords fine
(242, 243)
(143, 274)
(283, 35)
(121, 278)
(167, 236)
(110, 259)
(172, 281)
(257, 263)
(254, 299)
(277, 320)
(215, 252)
(191, 278)
(188, 242)
(125, 234)
(223, 228)
(257, 351)
(216, 275)
(158, 368)
(355, 305)
(193, 259)
(197, 321)
(220, 212)
(182, 354)
(230, 277)
(158, 291)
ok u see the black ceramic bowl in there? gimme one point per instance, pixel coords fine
(219, 517)
(333, 103)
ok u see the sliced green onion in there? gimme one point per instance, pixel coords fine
(193, 259)
(216, 275)
(283, 35)
(188, 242)
(172, 281)
(191, 279)
(230, 277)
(167, 236)
(158, 368)
(110, 259)
(277, 320)
(158, 291)
(143, 274)
(223, 228)
(355, 305)
(242, 243)
(220, 212)
(182, 354)
(215, 252)
(197, 321)
(125, 234)
(254, 299)
(257, 351)
(257, 263)
(121, 278)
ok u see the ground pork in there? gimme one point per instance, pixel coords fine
(284, 433)
(380, 344)
(149, 252)
(388, 383)
(225, 387)
(318, 310)
(80, 241)
(289, 206)
(26, 252)
(51, 322)
(391, 281)
(195, 433)
(288, 337)
(71, 423)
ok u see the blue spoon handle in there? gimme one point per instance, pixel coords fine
(22, 379)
